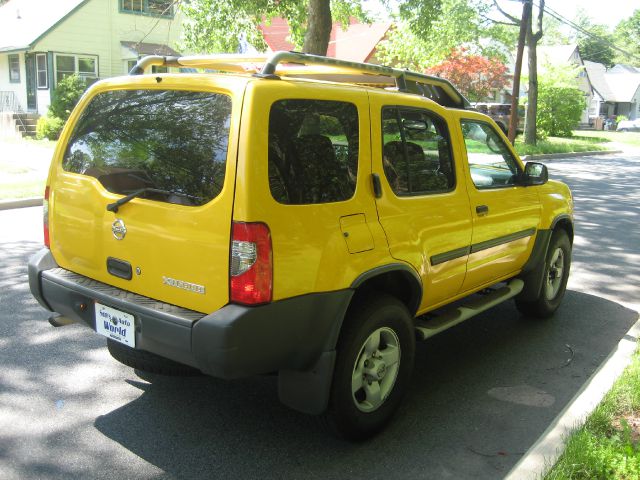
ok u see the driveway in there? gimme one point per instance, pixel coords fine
(482, 394)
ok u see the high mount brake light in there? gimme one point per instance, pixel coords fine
(251, 269)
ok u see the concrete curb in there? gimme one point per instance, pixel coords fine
(553, 156)
(543, 455)
(20, 203)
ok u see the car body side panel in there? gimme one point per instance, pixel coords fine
(310, 249)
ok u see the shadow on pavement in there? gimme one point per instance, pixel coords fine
(482, 394)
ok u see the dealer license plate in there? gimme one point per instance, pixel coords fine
(114, 324)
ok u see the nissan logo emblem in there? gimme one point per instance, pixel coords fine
(119, 229)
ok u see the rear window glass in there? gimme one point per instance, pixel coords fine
(313, 151)
(171, 144)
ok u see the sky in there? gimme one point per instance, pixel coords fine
(608, 12)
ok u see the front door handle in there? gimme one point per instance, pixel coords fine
(482, 210)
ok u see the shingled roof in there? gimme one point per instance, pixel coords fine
(357, 43)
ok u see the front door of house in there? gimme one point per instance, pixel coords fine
(32, 99)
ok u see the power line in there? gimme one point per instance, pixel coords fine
(578, 28)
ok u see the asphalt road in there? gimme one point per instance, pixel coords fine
(483, 392)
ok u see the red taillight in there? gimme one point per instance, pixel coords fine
(45, 216)
(251, 269)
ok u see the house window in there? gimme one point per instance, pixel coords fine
(41, 71)
(129, 64)
(161, 8)
(86, 66)
(14, 68)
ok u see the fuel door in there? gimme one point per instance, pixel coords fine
(356, 233)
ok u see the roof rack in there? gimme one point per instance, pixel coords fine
(297, 64)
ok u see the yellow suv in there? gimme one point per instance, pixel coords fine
(293, 214)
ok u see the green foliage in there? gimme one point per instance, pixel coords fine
(597, 49)
(216, 26)
(66, 95)
(621, 118)
(559, 109)
(553, 33)
(605, 447)
(428, 30)
(627, 35)
(49, 127)
(560, 102)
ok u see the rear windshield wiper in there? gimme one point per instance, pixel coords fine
(113, 207)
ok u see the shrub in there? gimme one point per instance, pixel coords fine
(49, 127)
(621, 118)
(66, 95)
(559, 109)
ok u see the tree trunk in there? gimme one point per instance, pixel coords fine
(515, 92)
(531, 132)
(319, 23)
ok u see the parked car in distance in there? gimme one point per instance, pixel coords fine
(501, 114)
(629, 126)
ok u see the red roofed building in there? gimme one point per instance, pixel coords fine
(357, 43)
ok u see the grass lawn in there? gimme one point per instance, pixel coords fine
(629, 138)
(562, 145)
(608, 445)
(24, 165)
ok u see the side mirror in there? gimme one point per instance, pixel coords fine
(535, 174)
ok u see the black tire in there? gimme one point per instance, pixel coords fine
(147, 361)
(557, 264)
(352, 412)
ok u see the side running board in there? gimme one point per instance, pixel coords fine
(428, 328)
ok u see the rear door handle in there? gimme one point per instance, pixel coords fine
(482, 210)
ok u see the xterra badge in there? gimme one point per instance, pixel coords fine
(192, 287)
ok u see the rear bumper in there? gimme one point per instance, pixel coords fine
(235, 341)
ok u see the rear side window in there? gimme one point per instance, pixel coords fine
(416, 154)
(171, 144)
(313, 151)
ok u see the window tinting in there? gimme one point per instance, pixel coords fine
(313, 151)
(416, 153)
(491, 163)
(172, 142)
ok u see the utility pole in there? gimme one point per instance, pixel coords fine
(515, 94)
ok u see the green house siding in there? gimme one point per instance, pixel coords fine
(97, 27)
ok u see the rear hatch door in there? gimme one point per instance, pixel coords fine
(171, 153)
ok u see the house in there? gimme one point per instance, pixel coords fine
(357, 42)
(43, 41)
(616, 91)
(556, 55)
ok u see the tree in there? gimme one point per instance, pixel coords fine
(532, 39)
(627, 33)
(426, 31)
(560, 102)
(595, 45)
(474, 75)
(217, 25)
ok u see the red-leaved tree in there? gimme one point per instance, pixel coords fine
(474, 75)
